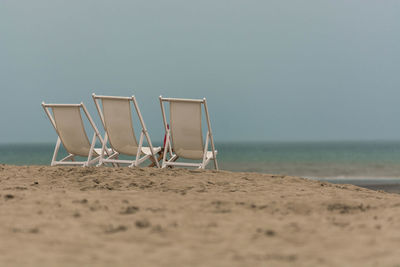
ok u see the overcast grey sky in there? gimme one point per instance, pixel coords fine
(271, 70)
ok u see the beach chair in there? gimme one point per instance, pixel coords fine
(67, 121)
(116, 116)
(184, 136)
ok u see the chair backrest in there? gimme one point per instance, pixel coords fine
(186, 128)
(117, 120)
(69, 126)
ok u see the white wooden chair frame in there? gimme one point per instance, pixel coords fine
(70, 159)
(113, 158)
(168, 143)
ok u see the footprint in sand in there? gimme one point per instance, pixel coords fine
(267, 232)
(82, 201)
(8, 196)
(130, 210)
(34, 230)
(115, 229)
(142, 223)
(345, 208)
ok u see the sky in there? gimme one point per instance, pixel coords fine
(313, 70)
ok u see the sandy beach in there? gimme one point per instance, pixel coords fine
(73, 216)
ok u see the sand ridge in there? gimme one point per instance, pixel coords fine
(69, 216)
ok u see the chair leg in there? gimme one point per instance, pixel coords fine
(56, 148)
(163, 165)
(216, 164)
(204, 163)
(172, 159)
(139, 151)
(160, 156)
(91, 151)
(103, 151)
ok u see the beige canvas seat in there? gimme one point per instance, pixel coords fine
(116, 116)
(67, 121)
(184, 136)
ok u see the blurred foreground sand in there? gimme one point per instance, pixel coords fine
(74, 216)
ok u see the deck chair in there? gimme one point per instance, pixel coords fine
(116, 116)
(184, 137)
(67, 121)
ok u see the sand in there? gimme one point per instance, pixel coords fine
(74, 216)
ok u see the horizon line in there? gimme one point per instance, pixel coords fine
(238, 141)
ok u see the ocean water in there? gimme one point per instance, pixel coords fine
(309, 159)
(314, 159)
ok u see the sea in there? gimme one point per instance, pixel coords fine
(372, 164)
